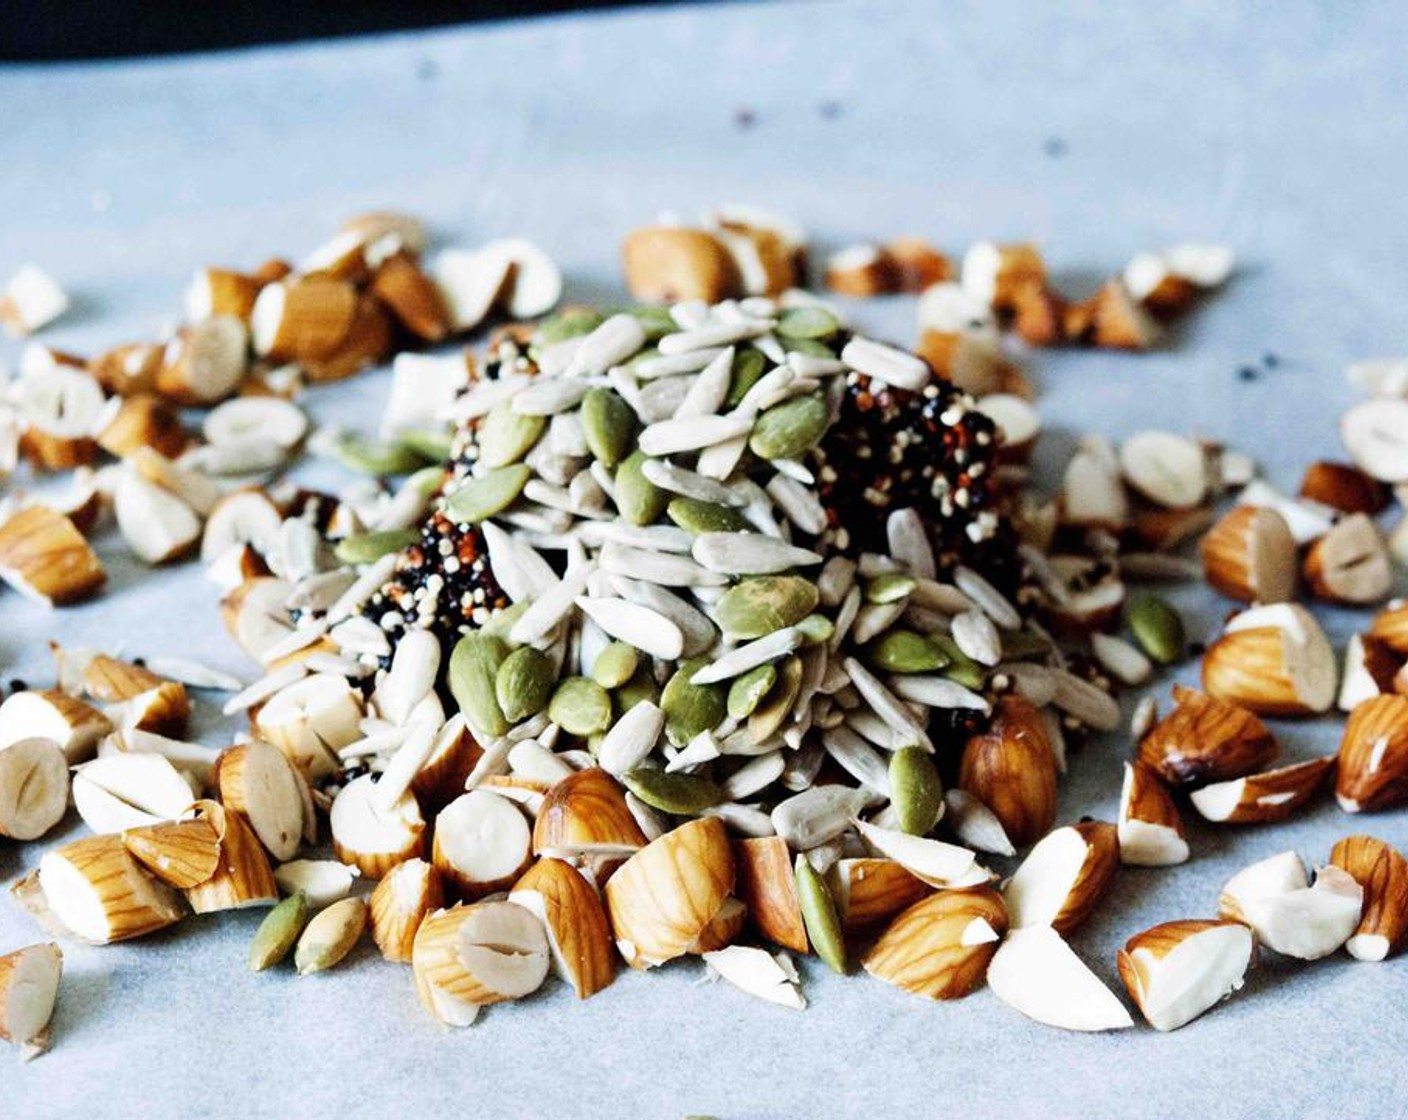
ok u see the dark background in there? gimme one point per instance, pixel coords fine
(51, 30)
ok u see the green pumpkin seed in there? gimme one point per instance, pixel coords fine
(432, 444)
(330, 936)
(684, 795)
(747, 692)
(608, 425)
(640, 687)
(810, 347)
(890, 587)
(278, 932)
(580, 707)
(789, 430)
(375, 456)
(697, 516)
(657, 321)
(749, 365)
(500, 623)
(767, 719)
(757, 607)
(961, 668)
(428, 480)
(807, 322)
(524, 683)
(817, 628)
(571, 323)
(1023, 645)
(366, 547)
(1157, 627)
(640, 501)
(904, 651)
(915, 790)
(479, 498)
(819, 916)
(472, 676)
(691, 708)
(615, 665)
(506, 436)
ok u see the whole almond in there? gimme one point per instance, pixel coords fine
(1011, 768)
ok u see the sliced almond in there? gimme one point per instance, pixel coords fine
(1178, 970)
(1150, 281)
(452, 758)
(1287, 913)
(667, 264)
(34, 786)
(98, 892)
(1390, 626)
(972, 362)
(941, 946)
(49, 714)
(368, 340)
(1011, 769)
(665, 895)
(243, 877)
(470, 956)
(535, 282)
(1150, 827)
(1170, 470)
(1064, 877)
(974, 824)
(182, 853)
(768, 976)
(256, 614)
(1250, 555)
(1113, 319)
(1373, 756)
(128, 370)
(29, 988)
(60, 415)
(1274, 660)
(768, 887)
(482, 844)
(934, 862)
(1350, 563)
(258, 780)
(586, 815)
(1035, 972)
(311, 720)
(722, 929)
(128, 790)
(1272, 795)
(1375, 433)
(405, 896)
(1017, 420)
(571, 911)
(1383, 874)
(1091, 492)
(112, 680)
(1206, 739)
(373, 838)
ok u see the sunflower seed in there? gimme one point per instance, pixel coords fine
(887, 706)
(646, 629)
(670, 437)
(836, 580)
(712, 335)
(743, 820)
(367, 584)
(720, 460)
(660, 400)
(651, 538)
(320, 662)
(909, 542)
(975, 824)
(800, 505)
(858, 758)
(548, 396)
(193, 674)
(360, 636)
(612, 342)
(551, 606)
(484, 397)
(689, 484)
(754, 776)
(937, 692)
(709, 389)
(699, 632)
(941, 597)
(631, 738)
(987, 598)
(812, 365)
(703, 748)
(672, 365)
(977, 637)
(1120, 659)
(664, 569)
(874, 619)
(265, 687)
(845, 618)
(556, 358)
(741, 554)
(886, 363)
(517, 567)
(1081, 699)
(652, 827)
(872, 728)
(533, 762)
(738, 661)
(816, 815)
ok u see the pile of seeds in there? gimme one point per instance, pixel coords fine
(720, 629)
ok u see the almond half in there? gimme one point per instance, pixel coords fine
(1289, 914)
(50, 714)
(373, 838)
(1344, 487)
(1373, 756)
(1273, 660)
(258, 780)
(1250, 555)
(243, 877)
(1272, 795)
(586, 814)
(870, 891)
(470, 956)
(1064, 877)
(406, 894)
(182, 853)
(1036, 972)
(666, 264)
(97, 891)
(1178, 970)
(571, 911)
(941, 946)
(1383, 874)
(1206, 739)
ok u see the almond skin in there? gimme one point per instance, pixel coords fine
(1383, 873)
(43, 555)
(586, 812)
(405, 896)
(934, 948)
(768, 887)
(576, 923)
(182, 853)
(1102, 860)
(1250, 556)
(1344, 487)
(1268, 671)
(1390, 626)
(1143, 952)
(870, 891)
(1011, 768)
(1150, 826)
(1373, 757)
(1205, 739)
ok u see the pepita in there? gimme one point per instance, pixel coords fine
(481, 497)
(330, 936)
(759, 606)
(609, 425)
(904, 651)
(505, 436)
(691, 708)
(915, 790)
(640, 501)
(684, 795)
(1157, 627)
(615, 665)
(580, 706)
(366, 547)
(747, 692)
(524, 683)
(472, 676)
(695, 516)
(278, 932)
(819, 916)
(807, 322)
(748, 366)
(790, 429)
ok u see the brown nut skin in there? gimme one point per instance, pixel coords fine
(1205, 739)
(1344, 487)
(1011, 768)
(666, 264)
(1373, 757)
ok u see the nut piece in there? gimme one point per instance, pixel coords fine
(129, 789)
(258, 780)
(303, 319)
(1344, 487)
(1064, 877)
(205, 362)
(870, 891)
(29, 987)
(941, 946)
(243, 877)
(1261, 798)
(1274, 660)
(330, 936)
(181, 853)
(482, 843)
(1150, 828)
(862, 271)
(373, 838)
(667, 264)
(768, 888)
(1035, 972)
(586, 814)
(1350, 563)
(401, 901)
(470, 956)
(31, 300)
(312, 719)
(156, 524)
(572, 914)
(50, 714)
(220, 291)
(1373, 757)
(1390, 626)
(1178, 970)
(1011, 769)
(33, 788)
(412, 297)
(1250, 555)
(665, 895)
(1369, 670)
(1375, 433)
(769, 976)
(919, 264)
(94, 889)
(1170, 470)
(1383, 873)
(1287, 914)
(993, 274)
(44, 557)
(1205, 739)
